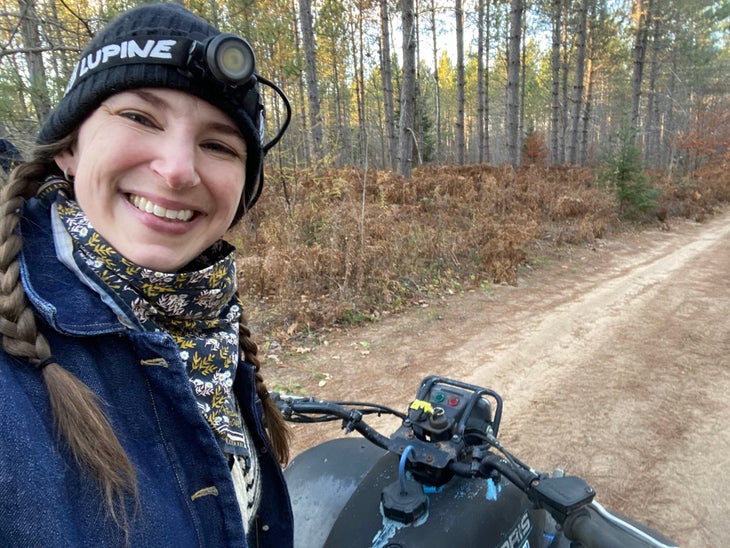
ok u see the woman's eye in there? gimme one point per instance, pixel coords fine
(221, 148)
(138, 117)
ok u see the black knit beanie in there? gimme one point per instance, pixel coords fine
(160, 31)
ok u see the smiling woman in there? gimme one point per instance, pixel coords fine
(128, 374)
(154, 171)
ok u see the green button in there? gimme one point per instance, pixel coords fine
(438, 398)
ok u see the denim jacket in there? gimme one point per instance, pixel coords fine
(186, 494)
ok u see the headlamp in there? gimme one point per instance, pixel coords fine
(225, 62)
(230, 59)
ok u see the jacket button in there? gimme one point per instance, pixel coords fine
(264, 528)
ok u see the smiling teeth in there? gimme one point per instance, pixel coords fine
(173, 215)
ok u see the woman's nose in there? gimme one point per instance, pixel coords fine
(175, 162)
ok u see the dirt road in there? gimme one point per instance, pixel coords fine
(614, 363)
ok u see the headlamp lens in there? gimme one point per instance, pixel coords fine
(230, 59)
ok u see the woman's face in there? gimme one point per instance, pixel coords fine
(159, 174)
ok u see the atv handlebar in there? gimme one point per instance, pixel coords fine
(457, 437)
(302, 409)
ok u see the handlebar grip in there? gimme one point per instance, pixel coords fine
(594, 530)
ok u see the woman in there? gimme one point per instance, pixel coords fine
(132, 411)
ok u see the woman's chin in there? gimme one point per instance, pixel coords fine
(159, 258)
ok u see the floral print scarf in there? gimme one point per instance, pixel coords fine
(198, 307)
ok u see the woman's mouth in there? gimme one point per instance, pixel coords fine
(147, 206)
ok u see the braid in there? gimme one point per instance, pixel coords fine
(76, 410)
(278, 430)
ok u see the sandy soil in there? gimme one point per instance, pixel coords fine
(613, 361)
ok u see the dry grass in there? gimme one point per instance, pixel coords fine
(334, 246)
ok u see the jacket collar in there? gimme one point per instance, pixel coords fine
(57, 294)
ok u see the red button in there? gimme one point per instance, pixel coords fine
(453, 401)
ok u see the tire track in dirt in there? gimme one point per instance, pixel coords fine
(545, 332)
(625, 384)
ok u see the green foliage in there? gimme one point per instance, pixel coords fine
(352, 317)
(625, 175)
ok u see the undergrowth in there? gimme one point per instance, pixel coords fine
(341, 247)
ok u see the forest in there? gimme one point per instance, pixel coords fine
(437, 145)
(559, 81)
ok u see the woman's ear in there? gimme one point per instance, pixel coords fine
(66, 162)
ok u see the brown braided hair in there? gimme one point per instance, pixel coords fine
(276, 426)
(80, 422)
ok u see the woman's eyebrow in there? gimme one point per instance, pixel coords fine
(225, 127)
(150, 97)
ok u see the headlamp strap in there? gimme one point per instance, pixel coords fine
(162, 50)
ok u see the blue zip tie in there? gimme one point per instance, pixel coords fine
(402, 469)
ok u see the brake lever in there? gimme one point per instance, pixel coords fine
(562, 496)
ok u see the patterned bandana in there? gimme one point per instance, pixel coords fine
(199, 308)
